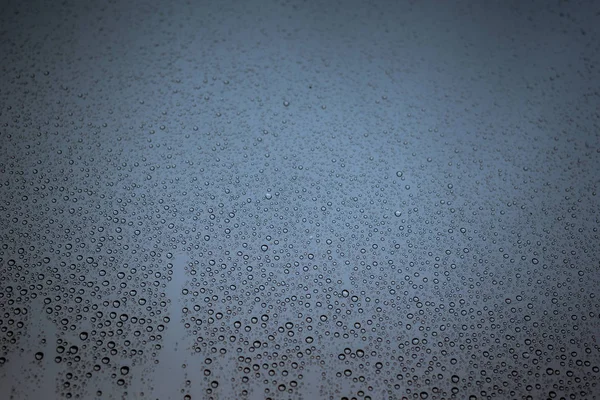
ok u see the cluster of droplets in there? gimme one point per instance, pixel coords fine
(294, 248)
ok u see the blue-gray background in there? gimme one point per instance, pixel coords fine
(299, 199)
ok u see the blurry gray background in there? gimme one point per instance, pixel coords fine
(299, 200)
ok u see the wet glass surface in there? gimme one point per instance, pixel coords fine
(299, 200)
